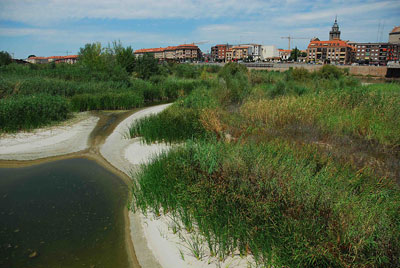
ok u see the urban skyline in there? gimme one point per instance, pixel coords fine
(47, 29)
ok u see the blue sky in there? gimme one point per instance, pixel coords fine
(52, 27)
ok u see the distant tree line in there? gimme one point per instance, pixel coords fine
(5, 58)
(116, 58)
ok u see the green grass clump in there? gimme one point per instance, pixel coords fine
(179, 122)
(172, 125)
(107, 101)
(261, 173)
(174, 87)
(257, 77)
(13, 85)
(365, 113)
(286, 205)
(69, 72)
(27, 112)
(236, 78)
(187, 71)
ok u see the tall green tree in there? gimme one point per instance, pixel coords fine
(92, 56)
(295, 54)
(125, 57)
(5, 58)
(146, 66)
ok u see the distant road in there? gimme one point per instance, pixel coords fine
(373, 71)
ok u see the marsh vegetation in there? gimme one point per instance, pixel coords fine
(105, 78)
(297, 169)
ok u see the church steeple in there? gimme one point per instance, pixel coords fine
(334, 33)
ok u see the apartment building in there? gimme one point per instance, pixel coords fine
(393, 53)
(173, 53)
(333, 51)
(229, 55)
(254, 50)
(284, 54)
(70, 59)
(218, 52)
(269, 53)
(240, 52)
(394, 36)
(370, 53)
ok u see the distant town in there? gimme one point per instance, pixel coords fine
(332, 51)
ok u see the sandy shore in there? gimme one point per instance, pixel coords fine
(154, 241)
(70, 137)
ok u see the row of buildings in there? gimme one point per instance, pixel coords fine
(339, 51)
(71, 59)
(186, 52)
(334, 50)
(226, 52)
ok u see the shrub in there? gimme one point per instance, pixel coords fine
(236, 79)
(257, 77)
(5, 58)
(26, 112)
(288, 207)
(184, 70)
(300, 74)
(213, 68)
(107, 101)
(174, 124)
(198, 99)
(329, 71)
(146, 66)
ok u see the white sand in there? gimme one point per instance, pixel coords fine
(139, 153)
(71, 137)
(155, 243)
(113, 149)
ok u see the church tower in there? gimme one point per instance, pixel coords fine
(335, 33)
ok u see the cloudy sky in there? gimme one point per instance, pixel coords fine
(55, 26)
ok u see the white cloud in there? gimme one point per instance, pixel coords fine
(76, 37)
(258, 21)
(345, 9)
(42, 11)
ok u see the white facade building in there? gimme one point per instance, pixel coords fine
(254, 50)
(269, 52)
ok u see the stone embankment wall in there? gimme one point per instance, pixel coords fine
(375, 71)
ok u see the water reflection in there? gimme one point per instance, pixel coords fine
(67, 213)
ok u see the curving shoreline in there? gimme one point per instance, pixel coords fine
(117, 149)
(71, 137)
(149, 240)
(155, 244)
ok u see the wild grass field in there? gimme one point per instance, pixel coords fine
(103, 79)
(297, 169)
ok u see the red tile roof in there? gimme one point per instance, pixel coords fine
(396, 29)
(55, 57)
(149, 50)
(169, 48)
(337, 43)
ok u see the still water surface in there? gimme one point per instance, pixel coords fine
(67, 213)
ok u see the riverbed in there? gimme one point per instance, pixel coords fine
(61, 203)
(67, 213)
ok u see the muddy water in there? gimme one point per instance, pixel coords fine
(67, 211)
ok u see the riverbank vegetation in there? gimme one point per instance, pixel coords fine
(297, 169)
(105, 78)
